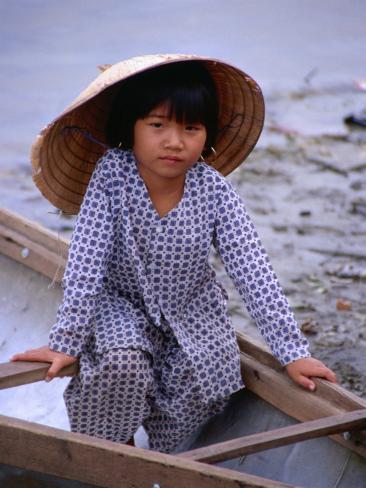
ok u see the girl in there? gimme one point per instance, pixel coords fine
(143, 313)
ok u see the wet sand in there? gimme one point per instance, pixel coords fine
(307, 198)
(305, 182)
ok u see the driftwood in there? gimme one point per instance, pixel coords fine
(340, 253)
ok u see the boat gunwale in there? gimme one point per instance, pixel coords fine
(259, 368)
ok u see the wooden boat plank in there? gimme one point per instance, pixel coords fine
(264, 377)
(36, 256)
(328, 399)
(23, 372)
(278, 390)
(34, 232)
(108, 464)
(315, 462)
(278, 437)
(283, 394)
(271, 385)
(341, 399)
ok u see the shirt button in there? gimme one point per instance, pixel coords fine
(159, 229)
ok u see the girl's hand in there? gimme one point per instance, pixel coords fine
(302, 370)
(44, 354)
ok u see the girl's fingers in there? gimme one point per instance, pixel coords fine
(304, 370)
(330, 376)
(24, 356)
(302, 380)
(55, 368)
(323, 372)
(44, 354)
(59, 362)
(40, 354)
(306, 383)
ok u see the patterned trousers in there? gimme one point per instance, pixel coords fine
(118, 391)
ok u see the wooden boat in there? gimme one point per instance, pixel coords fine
(272, 434)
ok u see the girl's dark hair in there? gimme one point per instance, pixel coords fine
(186, 86)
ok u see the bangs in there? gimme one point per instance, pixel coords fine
(187, 90)
(186, 105)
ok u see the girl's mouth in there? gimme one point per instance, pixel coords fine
(174, 159)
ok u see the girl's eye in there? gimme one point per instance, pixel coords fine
(192, 128)
(157, 125)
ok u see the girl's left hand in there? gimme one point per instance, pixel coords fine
(302, 370)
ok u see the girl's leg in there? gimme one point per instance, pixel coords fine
(108, 398)
(167, 428)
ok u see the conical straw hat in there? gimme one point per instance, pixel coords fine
(63, 159)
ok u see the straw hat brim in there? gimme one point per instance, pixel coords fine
(63, 159)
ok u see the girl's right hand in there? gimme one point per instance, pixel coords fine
(44, 354)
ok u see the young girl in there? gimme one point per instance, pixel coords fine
(143, 313)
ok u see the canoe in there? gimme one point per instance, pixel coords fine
(272, 434)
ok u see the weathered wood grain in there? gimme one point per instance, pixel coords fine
(46, 253)
(278, 437)
(329, 399)
(108, 464)
(23, 372)
(32, 245)
(34, 232)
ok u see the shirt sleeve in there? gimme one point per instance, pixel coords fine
(88, 258)
(248, 265)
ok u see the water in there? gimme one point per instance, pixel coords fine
(50, 49)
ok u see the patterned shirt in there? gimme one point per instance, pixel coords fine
(130, 273)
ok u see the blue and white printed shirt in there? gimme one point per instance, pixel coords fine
(130, 271)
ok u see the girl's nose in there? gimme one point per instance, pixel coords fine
(174, 139)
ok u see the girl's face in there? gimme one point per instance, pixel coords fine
(165, 148)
